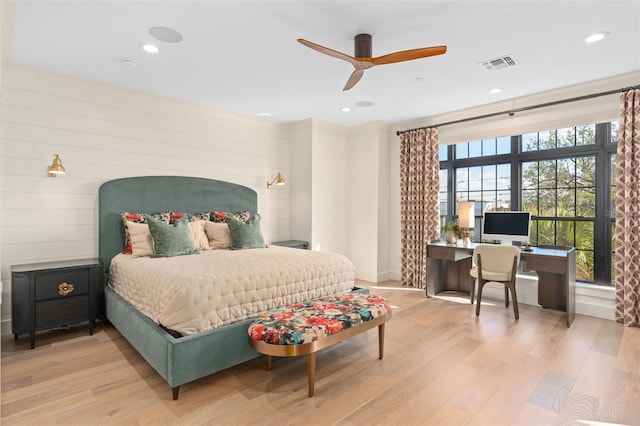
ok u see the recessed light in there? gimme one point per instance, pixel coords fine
(345, 109)
(168, 35)
(418, 79)
(495, 90)
(364, 104)
(595, 37)
(265, 114)
(150, 48)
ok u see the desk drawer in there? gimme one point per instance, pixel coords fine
(546, 264)
(448, 253)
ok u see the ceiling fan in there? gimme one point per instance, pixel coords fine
(362, 59)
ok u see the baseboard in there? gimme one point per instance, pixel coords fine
(388, 276)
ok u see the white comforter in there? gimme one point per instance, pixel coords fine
(199, 292)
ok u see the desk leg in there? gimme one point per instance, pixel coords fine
(570, 287)
(551, 291)
(558, 290)
(434, 276)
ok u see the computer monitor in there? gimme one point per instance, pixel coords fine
(506, 226)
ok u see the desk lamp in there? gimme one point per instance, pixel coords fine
(466, 220)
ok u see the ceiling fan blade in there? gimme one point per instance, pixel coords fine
(353, 79)
(328, 51)
(408, 55)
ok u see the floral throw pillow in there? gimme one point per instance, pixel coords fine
(221, 217)
(190, 216)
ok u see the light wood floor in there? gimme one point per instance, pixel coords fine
(442, 365)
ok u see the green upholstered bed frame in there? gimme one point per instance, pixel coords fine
(177, 360)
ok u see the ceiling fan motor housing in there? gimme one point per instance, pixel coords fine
(362, 46)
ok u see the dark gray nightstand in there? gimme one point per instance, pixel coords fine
(293, 244)
(56, 294)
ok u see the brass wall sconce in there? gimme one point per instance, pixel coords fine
(278, 180)
(56, 168)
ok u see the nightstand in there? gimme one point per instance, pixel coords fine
(293, 244)
(56, 294)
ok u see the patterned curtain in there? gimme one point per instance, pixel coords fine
(419, 214)
(627, 257)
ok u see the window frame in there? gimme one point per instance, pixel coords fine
(602, 150)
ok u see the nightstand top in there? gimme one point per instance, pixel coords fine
(27, 267)
(289, 242)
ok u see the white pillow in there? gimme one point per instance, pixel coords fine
(198, 235)
(218, 235)
(141, 241)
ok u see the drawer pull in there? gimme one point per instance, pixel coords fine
(65, 289)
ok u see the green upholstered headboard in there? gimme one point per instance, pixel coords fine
(154, 194)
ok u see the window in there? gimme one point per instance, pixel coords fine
(560, 195)
(563, 177)
(443, 197)
(483, 148)
(488, 186)
(610, 212)
(559, 138)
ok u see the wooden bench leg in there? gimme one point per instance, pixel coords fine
(311, 371)
(380, 341)
(268, 358)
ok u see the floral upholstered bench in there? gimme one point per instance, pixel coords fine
(305, 328)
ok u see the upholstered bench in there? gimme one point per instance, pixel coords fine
(305, 328)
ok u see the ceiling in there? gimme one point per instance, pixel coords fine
(242, 56)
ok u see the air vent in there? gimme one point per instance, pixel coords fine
(500, 63)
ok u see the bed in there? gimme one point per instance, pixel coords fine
(183, 358)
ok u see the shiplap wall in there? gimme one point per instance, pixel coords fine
(104, 132)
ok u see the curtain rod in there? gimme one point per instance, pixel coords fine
(512, 112)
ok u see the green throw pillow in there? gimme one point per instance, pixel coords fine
(245, 235)
(171, 240)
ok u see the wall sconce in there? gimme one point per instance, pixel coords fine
(278, 180)
(466, 219)
(56, 168)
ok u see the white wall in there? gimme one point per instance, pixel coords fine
(105, 132)
(329, 187)
(299, 181)
(368, 206)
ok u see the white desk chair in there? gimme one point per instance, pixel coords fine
(496, 263)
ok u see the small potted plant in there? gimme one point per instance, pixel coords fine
(452, 232)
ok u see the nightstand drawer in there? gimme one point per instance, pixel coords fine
(60, 284)
(54, 313)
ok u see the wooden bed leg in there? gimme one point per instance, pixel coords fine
(175, 391)
(268, 358)
(311, 371)
(380, 341)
